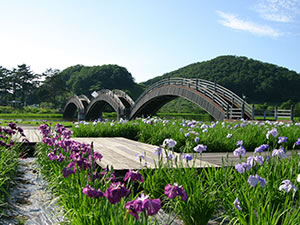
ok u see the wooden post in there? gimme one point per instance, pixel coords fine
(275, 113)
(265, 113)
(253, 112)
(292, 112)
(197, 84)
(243, 111)
(227, 111)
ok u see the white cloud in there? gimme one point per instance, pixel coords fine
(278, 10)
(230, 20)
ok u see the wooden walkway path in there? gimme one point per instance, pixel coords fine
(121, 153)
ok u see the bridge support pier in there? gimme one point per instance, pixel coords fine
(81, 116)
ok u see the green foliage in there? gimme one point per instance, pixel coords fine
(297, 109)
(258, 81)
(181, 105)
(26, 109)
(286, 105)
(8, 167)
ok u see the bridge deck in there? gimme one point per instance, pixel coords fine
(121, 153)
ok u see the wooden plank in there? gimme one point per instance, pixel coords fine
(31, 133)
(121, 154)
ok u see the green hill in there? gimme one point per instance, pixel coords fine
(260, 82)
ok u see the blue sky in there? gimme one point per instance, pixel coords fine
(149, 38)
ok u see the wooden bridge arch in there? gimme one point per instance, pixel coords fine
(218, 101)
(125, 98)
(76, 105)
(97, 105)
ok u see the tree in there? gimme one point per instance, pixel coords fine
(23, 82)
(4, 85)
(52, 88)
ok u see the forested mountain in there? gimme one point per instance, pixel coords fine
(259, 82)
(58, 86)
(86, 79)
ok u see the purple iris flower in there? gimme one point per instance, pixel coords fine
(2, 143)
(92, 192)
(272, 132)
(253, 159)
(188, 157)
(157, 150)
(52, 155)
(237, 204)
(140, 156)
(200, 148)
(253, 181)
(152, 206)
(242, 167)
(259, 159)
(115, 192)
(134, 207)
(280, 153)
(239, 151)
(282, 139)
(60, 158)
(287, 186)
(97, 156)
(171, 156)
(187, 134)
(70, 169)
(196, 139)
(298, 142)
(134, 176)
(12, 126)
(172, 191)
(239, 143)
(170, 142)
(261, 148)
(229, 136)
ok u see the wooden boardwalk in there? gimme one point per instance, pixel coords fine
(121, 153)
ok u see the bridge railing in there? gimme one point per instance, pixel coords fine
(214, 91)
(191, 83)
(231, 96)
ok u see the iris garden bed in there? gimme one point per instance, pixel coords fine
(261, 189)
(217, 136)
(9, 153)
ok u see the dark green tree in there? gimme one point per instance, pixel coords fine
(24, 82)
(4, 85)
(53, 87)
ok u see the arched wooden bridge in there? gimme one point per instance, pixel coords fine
(76, 105)
(218, 101)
